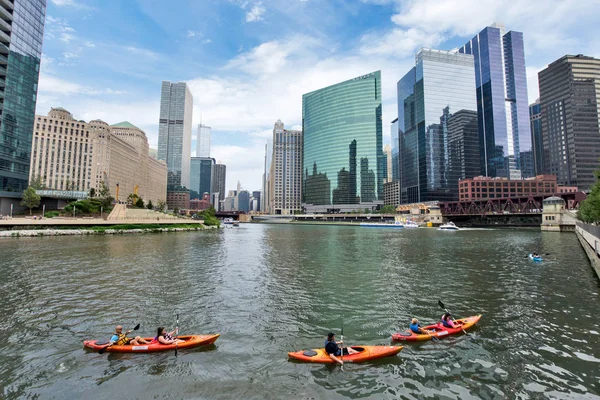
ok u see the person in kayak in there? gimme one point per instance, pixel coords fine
(164, 337)
(334, 351)
(121, 339)
(415, 327)
(447, 321)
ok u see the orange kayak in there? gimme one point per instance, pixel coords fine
(438, 330)
(189, 342)
(366, 353)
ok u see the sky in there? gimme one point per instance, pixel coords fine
(249, 62)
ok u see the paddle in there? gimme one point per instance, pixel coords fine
(444, 307)
(342, 350)
(102, 350)
(176, 332)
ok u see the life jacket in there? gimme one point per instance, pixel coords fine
(123, 340)
(445, 320)
(415, 328)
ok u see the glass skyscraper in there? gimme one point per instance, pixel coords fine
(395, 151)
(201, 176)
(344, 165)
(441, 83)
(203, 141)
(537, 147)
(175, 133)
(219, 175)
(502, 105)
(21, 35)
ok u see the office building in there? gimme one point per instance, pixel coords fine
(21, 35)
(391, 193)
(243, 201)
(535, 118)
(201, 176)
(483, 188)
(219, 175)
(175, 133)
(285, 172)
(344, 164)
(440, 84)
(67, 154)
(257, 195)
(203, 141)
(502, 105)
(463, 147)
(570, 107)
(395, 151)
(387, 150)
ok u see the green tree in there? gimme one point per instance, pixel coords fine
(589, 210)
(30, 199)
(149, 206)
(104, 190)
(209, 218)
(36, 182)
(92, 192)
(388, 209)
(139, 202)
(161, 205)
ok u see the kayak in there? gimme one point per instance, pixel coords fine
(189, 342)
(366, 353)
(438, 330)
(536, 258)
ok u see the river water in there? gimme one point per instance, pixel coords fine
(270, 289)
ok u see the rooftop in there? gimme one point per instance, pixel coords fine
(125, 124)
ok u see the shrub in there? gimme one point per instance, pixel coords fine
(51, 214)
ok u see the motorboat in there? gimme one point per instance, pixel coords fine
(448, 226)
(231, 221)
(411, 224)
(395, 224)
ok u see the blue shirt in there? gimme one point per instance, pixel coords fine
(415, 327)
(114, 338)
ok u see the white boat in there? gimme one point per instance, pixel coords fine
(395, 224)
(411, 224)
(448, 226)
(231, 221)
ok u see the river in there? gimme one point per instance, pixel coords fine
(270, 289)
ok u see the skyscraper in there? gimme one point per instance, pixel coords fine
(203, 141)
(395, 151)
(441, 83)
(201, 176)
(285, 175)
(502, 105)
(175, 133)
(342, 126)
(570, 106)
(463, 146)
(220, 172)
(21, 35)
(387, 150)
(535, 116)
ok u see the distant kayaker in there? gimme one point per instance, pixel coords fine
(416, 327)
(334, 351)
(164, 337)
(447, 320)
(120, 338)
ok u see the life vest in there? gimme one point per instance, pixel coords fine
(123, 340)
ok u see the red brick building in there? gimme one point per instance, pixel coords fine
(201, 204)
(481, 187)
(178, 199)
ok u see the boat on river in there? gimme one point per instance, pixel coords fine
(535, 258)
(231, 221)
(189, 342)
(411, 224)
(365, 353)
(438, 330)
(449, 226)
(395, 224)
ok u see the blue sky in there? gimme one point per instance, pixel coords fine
(249, 62)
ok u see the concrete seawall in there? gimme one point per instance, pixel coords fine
(589, 237)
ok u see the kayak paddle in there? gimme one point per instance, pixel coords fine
(342, 350)
(444, 307)
(176, 332)
(102, 350)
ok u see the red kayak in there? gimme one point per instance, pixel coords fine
(189, 342)
(438, 330)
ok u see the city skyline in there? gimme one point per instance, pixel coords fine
(86, 68)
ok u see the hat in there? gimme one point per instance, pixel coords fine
(330, 335)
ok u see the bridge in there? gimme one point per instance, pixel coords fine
(229, 214)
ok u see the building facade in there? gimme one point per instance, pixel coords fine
(243, 201)
(502, 104)
(202, 171)
(219, 175)
(395, 151)
(344, 164)
(391, 193)
(175, 133)
(463, 148)
(21, 36)
(570, 108)
(67, 154)
(285, 172)
(387, 150)
(440, 84)
(203, 141)
(178, 199)
(482, 188)
(257, 197)
(537, 146)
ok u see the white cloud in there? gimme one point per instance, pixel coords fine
(49, 84)
(398, 42)
(256, 13)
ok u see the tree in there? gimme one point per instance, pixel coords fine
(92, 192)
(388, 209)
(104, 190)
(589, 210)
(30, 199)
(36, 182)
(149, 206)
(161, 205)
(139, 202)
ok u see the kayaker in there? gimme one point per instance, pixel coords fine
(120, 338)
(164, 337)
(447, 320)
(334, 351)
(416, 327)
